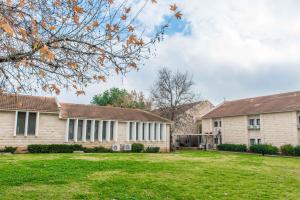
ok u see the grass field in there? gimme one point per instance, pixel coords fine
(180, 175)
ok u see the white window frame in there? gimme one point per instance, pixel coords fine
(37, 120)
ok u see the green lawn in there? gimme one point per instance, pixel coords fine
(180, 175)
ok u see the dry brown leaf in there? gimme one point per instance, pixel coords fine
(173, 7)
(52, 28)
(178, 15)
(21, 3)
(7, 28)
(78, 9)
(154, 1)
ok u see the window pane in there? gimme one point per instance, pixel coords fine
(112, 130)
(21, 123)
(79, 133)
(258, 141)
(155, 125)
(252, 141)
(257, 121)
(96, 130)
(149, 136)
(31, 123)
(130, 130)
(215, 124)
(220, 124)
(137, 131)
(88, 129)
(160, 132)
(143, 135)
(71, 128)
(104, 130)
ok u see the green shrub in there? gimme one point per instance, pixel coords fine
(297, 150)
(8, 149)
(97, 150)
(54, 148)
(137, 147)
(152, 150)
(232, 147)
(287, 150)
(264, 149)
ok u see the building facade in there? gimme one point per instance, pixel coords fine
(187, 122)
(272, 119)
(42, 120)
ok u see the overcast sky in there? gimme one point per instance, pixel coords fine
(234, 49)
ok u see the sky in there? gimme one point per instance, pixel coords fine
(233, 49)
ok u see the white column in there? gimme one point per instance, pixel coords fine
(146, 131)
(37, 120)
(84, 130)
(67, 130)
(115, 132)
(100, 127)
(26, 124)
(140, 134)
(164, 131)
(157, 132)
(75, 130)
(127, 131)
(16, 123)
(133, 131)
(92, 130)
(107, 131)
(152, 131)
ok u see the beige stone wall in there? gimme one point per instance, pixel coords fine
(276, 129)
(279, 128)
(52, 131)
(234, 130)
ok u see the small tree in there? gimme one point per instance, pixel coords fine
(170, 91)
(121, 98)
(53, 44)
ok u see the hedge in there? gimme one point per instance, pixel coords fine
(232, 147)
(137, 147)
(97, 150)
(287, 150)
(8, 149)
(54, 148)
(264, 149)
(152, 150)
(297, 150)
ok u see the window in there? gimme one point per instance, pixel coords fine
(112, 123)
(155, 129)
(217, 123)
(254, 123)
(143, 134)
(149, 130)
(104, 130)
(251, 122)
(258, 141)
(88, 129)
(137, 131)
(71, 129)
(96, 136)
(216, 140)
(258, 122)
(160, 132)
(130, 130)
(21, 123)
(80, 127)
(252, 142)
(31, 123)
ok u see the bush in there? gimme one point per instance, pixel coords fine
(152, 150)
(232, 147)
(137, 147)
(54, 148)
(9, 149)
(287, 150)
(97, 150)
(264, 149)
(297, 150)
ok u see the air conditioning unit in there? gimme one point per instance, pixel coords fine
(115, 147)
(127, 147)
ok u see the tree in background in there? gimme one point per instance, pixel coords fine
(170, 91)
(54, 44)
(122, 98)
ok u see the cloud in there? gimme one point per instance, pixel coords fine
(233, 49)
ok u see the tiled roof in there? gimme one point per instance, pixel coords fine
(69, 110)
(264, 104)
(26, 102)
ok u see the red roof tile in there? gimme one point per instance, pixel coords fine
(264, 104)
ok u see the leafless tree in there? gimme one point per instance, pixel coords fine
(170, 91)
(53, 44)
